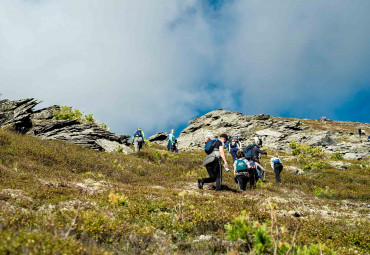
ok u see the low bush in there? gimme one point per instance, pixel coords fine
(337, 156)
(266, 238)
(68, 113)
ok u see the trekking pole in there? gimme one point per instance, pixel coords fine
(264, 173)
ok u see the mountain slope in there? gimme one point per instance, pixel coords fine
(61, 198)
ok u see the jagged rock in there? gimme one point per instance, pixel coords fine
(112, 146)
(351, 156)
(269, 132)
(158, 137)
(41, 123)
(44, 114)
(350, 150)
(17, 114)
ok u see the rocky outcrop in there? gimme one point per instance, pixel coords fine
(20, 116)
(159, 138)
(17, 114)
(276, 133)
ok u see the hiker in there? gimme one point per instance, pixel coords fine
(368, 138)
(359, 132)
(234, 146)
(252, 153)
(172, 142)
(215, 150)
(138, 139)
(256, 152)
(244, 172)
(258, 140)
(277, 166)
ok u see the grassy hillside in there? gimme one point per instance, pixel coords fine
(58, 198)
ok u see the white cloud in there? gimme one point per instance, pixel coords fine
(150, 63)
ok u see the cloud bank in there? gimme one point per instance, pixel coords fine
(158, 64)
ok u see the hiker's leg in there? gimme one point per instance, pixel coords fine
(233, 153)
(136, 145)
(218, 175)
(244, 182)
(239, 181)
(211, 172)
(277, 170)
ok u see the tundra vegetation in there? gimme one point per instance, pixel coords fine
(59, 198)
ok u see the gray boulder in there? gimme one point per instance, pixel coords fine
(112, 146)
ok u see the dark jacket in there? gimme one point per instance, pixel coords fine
(256, 151)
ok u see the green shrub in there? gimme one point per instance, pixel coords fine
(337, 156)
(305, 150)
(67, 113)
(266, 238)
(313, 165)
(117, 199)
(327, 192)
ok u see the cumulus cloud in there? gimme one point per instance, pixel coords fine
(157, 64)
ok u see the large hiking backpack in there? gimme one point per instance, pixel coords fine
(234, 142)
(247, 151)
(138, 133)
(241, 166)
(210, 145)
(276, 161)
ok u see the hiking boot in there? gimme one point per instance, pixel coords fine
(200, 183)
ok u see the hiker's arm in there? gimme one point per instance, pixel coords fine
(222, 154)
(142, 133)
(262, 152)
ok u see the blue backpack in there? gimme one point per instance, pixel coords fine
(247, 151)
(210, 145)
(138, 134)
(241, 166)
(276, 161)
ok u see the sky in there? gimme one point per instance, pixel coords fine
(158, 64)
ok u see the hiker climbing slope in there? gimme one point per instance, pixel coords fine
(215, 150)
(277, 166)
(138, 139)
(172, 142)
(234, 146)
(244, 171)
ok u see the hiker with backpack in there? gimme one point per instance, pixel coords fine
(216, 152)
(277, 166)
(138, 139)
(244, 172)
(172, 142)
(359, 132)
(252, 153)
(234, 146)
(258, 140)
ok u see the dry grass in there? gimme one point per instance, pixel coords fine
(61, 198)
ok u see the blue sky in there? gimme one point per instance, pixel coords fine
(158, 65)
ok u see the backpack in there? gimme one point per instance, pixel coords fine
(241, 166)
(276, 161)
(210, 145)
(234, 144)
(247, 151)
(138, 133)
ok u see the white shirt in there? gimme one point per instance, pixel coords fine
(272, 161)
